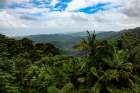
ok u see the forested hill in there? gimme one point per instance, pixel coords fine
(76, 37)
(66, 41)
(108, 66)
(135, 32)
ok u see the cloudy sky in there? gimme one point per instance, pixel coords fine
(26, 17)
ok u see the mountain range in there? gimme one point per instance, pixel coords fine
(66, 41)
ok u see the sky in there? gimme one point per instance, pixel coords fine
(29, 17)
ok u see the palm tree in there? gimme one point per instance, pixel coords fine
(108, 68)
(88, 44)
(118, 77)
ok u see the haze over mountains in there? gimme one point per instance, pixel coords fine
(66, 41)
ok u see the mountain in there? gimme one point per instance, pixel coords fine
(135, 31)
(63, 41)
(70, 37)
(66, 41)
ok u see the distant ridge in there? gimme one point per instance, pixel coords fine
(66, 41)
(135, 32)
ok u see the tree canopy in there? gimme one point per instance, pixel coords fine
(106, 66)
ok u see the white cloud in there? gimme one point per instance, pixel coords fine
(77, 4)
(126, 16)
(13, 1)
(54, 2)
(9, 21)
(132, 8)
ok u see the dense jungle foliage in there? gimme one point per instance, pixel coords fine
(104, 66)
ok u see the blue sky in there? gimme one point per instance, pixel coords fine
(26, 17)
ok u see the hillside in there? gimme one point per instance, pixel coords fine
(66, 41)
(101, 67)
(135, 32)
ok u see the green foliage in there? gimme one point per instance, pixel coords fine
(105, 67)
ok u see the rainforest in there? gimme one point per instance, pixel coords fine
(109, 65)
(69, 46)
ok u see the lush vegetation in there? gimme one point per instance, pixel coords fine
(66, 41)
(104, 66)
